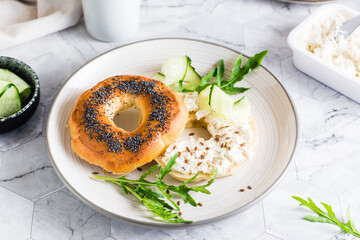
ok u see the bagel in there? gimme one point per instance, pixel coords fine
(230, 145)
(96, 139)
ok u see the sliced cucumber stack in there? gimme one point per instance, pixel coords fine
(13, 93)
(22, 86)
(178, 70)
(10, 101)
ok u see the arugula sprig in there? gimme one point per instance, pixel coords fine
(328, 217)
(237, 75)
(154, 201)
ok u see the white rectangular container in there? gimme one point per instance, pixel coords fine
(317, 67)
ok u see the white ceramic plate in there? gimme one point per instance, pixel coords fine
(271, 106)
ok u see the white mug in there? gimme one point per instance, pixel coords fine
(111, 20)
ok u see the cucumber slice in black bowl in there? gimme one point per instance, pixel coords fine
(29, 106)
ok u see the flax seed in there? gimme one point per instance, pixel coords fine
(242, 190)
(180, 213)
(249, 187)
(167, 191)
(202, 143)
(178, 203)
(200, 204)
(199, 163)
(191, 134)
(202, 156)
(195, 148)
(186, 161)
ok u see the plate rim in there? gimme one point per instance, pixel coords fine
(162, 225)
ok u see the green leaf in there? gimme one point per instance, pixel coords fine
(327, 217)
(203, 187)
(235, 90)
(236, 69)
(148, 172)
(350, 222)
(319, 219)
(210, 94)
(154, 201)
(236, 102)
(207, 77)
(251, 64)
(220, 72)
(164, 171)
(191, 179)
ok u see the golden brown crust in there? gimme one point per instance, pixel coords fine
(95, 137)
(202, 176)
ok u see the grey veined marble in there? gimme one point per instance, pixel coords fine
(34, 204)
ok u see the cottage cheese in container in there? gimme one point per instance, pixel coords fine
(343, 53)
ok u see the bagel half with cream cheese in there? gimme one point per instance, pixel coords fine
(231, 143)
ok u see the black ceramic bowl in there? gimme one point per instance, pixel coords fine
(27, 74)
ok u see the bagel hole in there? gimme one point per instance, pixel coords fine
(197, 132)
(128, 119)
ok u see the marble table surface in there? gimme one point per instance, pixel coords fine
(35, 204)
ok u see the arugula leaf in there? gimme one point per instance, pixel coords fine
(236, 69)
(154, 201)
(148, 172)
(239, 100)
(164, 171)
(207, 77)
(220, 72)
(327, 217)
(184, 190)
(210, 94)
(251, 64)
(235, 90)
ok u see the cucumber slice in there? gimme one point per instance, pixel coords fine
(3, 86)
(10, 102)
(174, 69)
(23, 87)
(204, 99)
(213, 98)
(178, 69)
(159, 76)
(192, 79)
(219, 101)
(241, 110)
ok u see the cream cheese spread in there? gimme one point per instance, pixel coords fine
(230, 144)
(341, 52)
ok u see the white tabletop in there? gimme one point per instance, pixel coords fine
(34, 203)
